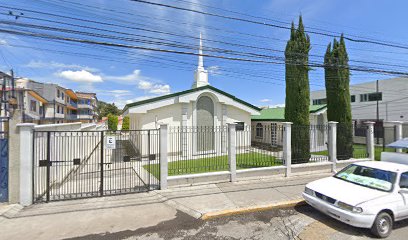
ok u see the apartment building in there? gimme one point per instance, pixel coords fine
(87, 103)
(50, 103)
(385, 100)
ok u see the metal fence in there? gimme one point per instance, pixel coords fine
(262, 150)
(309, 143)
(4, 166)
(205, 149)
(80, 164)
(351, 141)
(197, 150)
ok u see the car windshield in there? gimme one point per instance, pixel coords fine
(368, 177)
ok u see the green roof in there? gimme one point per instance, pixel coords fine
(278, 114)
(190, 91)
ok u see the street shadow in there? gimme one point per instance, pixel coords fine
(340, 226)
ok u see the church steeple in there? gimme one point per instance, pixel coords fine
(200, 75)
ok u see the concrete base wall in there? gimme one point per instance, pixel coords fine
(298, 169)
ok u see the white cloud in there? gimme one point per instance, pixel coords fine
(147, 84)
(58, 65)
(160, 89)
(265, 100)
(144, 85)
(214, 70)
(3, 42)
(80, 76)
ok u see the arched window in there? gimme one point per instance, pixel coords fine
(259, 130)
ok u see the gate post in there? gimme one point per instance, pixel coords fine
(26, 163)
(232, 150)
(287, 147)
(370, 140)
(163, 156)
(332, 144)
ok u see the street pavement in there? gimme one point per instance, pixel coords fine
(175, 214)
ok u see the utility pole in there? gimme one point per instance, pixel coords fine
(378, 114)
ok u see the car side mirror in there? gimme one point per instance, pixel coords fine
(403, 191)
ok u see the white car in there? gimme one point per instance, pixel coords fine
(368, 194)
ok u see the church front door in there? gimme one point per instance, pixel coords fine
(205, 124)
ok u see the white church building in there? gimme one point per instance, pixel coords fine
(197, 117)
(201, 106)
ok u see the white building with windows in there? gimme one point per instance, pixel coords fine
(267, 128)
(202, 106)
(391, 95)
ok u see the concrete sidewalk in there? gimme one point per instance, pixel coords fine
(67, 219)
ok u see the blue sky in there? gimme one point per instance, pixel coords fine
(127, 75)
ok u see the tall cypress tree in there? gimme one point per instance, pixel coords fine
(297, 91)
(337, 80)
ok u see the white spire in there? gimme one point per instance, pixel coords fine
(200, 75)
(200, 54)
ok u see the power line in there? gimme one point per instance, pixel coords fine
(268, 24)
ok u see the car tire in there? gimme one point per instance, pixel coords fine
(382, 225)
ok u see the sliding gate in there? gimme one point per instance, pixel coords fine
(82, 164)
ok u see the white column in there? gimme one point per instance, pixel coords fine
(232, 154)
(287, 148)
(26, 131)
(163, 156)
(398, 133)
(332, 144)
(370, 140)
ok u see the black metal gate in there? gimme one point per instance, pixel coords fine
(82, 164)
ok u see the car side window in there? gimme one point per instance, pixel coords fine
(404, 180)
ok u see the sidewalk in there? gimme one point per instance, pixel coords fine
(65, 219)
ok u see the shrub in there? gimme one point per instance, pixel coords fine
(112, 122)
(125, 123)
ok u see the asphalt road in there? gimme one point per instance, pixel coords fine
(298, 223)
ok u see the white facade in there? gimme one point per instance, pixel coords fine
(203, 108)
(392, 106)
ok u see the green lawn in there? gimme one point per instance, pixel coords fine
(360, 150)
(214, 164)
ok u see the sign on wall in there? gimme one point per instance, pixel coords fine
(110, 142)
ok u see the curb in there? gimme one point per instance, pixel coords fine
(230, 212)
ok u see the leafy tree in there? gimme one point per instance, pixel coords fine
(125, 123)
(337, 80)
(103, 109)
(297, 91)
(112, 122)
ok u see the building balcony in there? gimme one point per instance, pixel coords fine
(72, 105)
(85, 106)
(71, 117)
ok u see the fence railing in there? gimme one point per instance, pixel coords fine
(197, 150)
(309, 143)
(261, 151)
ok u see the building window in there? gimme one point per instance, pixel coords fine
(33, 106)
(240, 126)
(41, 109)
(58, 109)
(370, 97)
(62, 96)
(259, 130)
(319, 101)
(62, 110)
(353, 98)
(58, 93)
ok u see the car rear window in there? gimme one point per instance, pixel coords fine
(368, 177)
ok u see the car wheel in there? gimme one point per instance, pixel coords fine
(382, 226)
